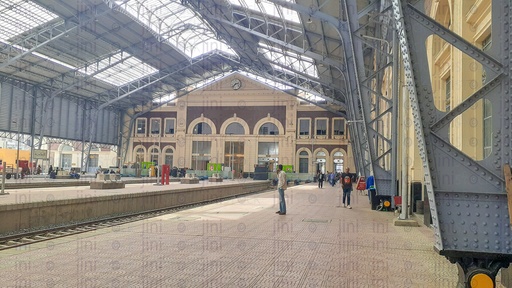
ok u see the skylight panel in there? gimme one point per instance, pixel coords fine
(296, 62)
(301, 93)
(122, 73)
(176, 24)
(165, 99)
(19, 16)
(268, 82)
(268, 8)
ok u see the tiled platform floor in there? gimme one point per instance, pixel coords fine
(241, 243)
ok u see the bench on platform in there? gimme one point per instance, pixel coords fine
(66, 175)
(216, 177)
(107, 181)
(190, 178)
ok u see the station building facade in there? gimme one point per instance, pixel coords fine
(242, 123)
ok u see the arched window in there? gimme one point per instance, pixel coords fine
(202, 129)
(303, 162)
(168, 156)
(139, 155)
(235, 129)
(154, 155)
(66, 148)
(268, 129)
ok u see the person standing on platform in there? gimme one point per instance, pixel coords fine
(281, 186)
(370, 186)
(346, 182)
(321, 178)
(330, 179)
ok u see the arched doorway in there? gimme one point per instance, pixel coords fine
(338, 162)
(321, 161)
(268, 149)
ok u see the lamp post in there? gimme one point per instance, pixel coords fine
(197, 155)
(231, 160)
(18, 147)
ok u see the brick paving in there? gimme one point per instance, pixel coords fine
(241, 243)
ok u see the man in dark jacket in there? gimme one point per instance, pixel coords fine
(321, 179)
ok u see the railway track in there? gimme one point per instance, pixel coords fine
(31, 237)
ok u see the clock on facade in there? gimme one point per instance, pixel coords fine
(236, 84)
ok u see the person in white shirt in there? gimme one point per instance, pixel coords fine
(281, 186)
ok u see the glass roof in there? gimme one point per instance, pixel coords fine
(19, 16)
(269, 9)
(293, 60)
(165, 98)
(177, 24)
(122, 73)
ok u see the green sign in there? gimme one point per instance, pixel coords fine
(288, 168)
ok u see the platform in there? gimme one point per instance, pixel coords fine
(242, 243)
(32, 209)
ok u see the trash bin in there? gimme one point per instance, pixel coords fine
(375, 201)
(373, 193)
(419, 206)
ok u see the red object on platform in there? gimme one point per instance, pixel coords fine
(361, 183)
(166, 170)
(398, 200)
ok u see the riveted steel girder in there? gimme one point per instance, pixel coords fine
(467, 197)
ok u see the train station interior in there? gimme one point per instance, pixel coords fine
(142, 143)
